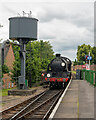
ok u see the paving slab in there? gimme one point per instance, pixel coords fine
(86, 100)
(78, 101)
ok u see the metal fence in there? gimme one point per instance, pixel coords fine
(89, 76)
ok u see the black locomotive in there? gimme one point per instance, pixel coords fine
(59, 71)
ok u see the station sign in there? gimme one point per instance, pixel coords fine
(89, 58)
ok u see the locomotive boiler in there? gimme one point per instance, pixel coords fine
(58, 71)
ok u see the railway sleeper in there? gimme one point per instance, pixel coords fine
(40, 113)
(43, 110)
(7, 116)
(33, 112)
(36, 116)
(11, 112)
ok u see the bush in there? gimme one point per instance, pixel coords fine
(5, 69)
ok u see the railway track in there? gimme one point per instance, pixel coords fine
(43, 107)
(10, 112)
(38, 107)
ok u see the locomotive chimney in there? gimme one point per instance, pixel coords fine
(58, 55)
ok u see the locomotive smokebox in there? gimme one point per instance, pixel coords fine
(58, 55)
(23, 28)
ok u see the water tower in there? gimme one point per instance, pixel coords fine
(23, 29)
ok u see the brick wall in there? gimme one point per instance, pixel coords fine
(92, 67)
(7, 82)
(9, 59)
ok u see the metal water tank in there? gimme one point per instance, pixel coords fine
(23, 27)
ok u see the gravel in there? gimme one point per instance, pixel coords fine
(8, 101)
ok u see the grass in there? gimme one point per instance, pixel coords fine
(4, 92)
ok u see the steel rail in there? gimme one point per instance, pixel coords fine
(19, 106)
(33, 111)
(41, 106)
(52, 107)
(18, 114)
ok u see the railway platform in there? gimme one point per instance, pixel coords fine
(78, 101)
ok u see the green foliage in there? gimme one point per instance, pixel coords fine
(82, 51)
(5, 69)
(16, 64)
(75, 62)
(78, 62)
(4, 92)
(38, 56)
(94, 53)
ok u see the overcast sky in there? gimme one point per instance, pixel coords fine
(65, 24)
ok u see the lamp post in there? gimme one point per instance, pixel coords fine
(89, 60)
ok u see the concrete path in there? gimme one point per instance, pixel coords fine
(86, 100)
(78, 101)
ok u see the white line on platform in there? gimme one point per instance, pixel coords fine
(57, 105)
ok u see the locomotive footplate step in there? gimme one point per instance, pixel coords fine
(78, 101)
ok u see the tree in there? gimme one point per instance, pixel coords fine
(38, 56)
(82, 51)
(5, 69)
(75, 62)
(16, 64)
(94, 53)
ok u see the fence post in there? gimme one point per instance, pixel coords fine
(94, 78)
(91, 77)
(83, 74)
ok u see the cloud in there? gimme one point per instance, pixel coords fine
(9, 10)
(81, 14)
(68, 26)
(65, 25)
(64, 32)
(69, 53)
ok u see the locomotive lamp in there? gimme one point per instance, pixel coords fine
(48, 75)
(23, 29)
(62, 64)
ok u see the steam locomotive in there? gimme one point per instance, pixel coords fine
(58, 71)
